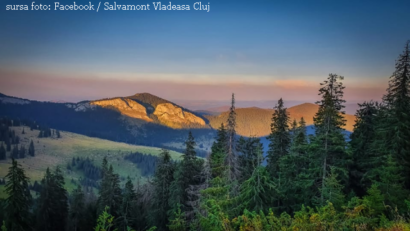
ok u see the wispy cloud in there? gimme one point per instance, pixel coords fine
(53, 86)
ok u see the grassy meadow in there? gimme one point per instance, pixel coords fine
(51, 152)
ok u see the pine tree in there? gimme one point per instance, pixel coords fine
(218, 154)
(18, 202)
(163, 178)
(214, 198)
(231, 157)
(248, 158)
(187, 178)
(52, 208)
(31, 150)
(333, 189)
(397, 122)
(77, 207)
(362, 138)
(110, 191)
(128, 213)
(60, 200)
(391, 182)
(257, 192)
(279, 138)
(22, 152)
(329, 142)
(2, 152)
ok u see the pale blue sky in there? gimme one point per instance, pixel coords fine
(248, 43)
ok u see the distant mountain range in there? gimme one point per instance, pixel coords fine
(256, 121)
(146, 119)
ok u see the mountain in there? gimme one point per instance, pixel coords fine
(145, 119)
(151, 108)
(256, 121)
(142, 119)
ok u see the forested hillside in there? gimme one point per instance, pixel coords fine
(38, 147)
(310, 182)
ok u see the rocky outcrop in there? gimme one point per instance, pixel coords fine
(126, 107)
(13, 100)
(173, 116)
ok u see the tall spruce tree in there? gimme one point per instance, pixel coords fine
(214, 197)
(361, 141)
(397, 123)
(22, 152)
(163, 178)
(52, 210)
(329, 142)
(110, 191)
(128, 215)
(18, 202)
(249, 159)
(187, 178)
(231, 157)
(77, 207)
(218, 153)
(258, 191)
(279, 138)
(293, 169)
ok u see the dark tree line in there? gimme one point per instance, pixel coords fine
(145, 162)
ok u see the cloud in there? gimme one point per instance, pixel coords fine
(75, 87)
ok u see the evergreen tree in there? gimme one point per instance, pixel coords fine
(22, 152)
(52, 208)
(110, 191)
(214, 198)
(18, 202)
(218, 154)
(257, 192)
(279, 138)
(397, 123)
(248, 156)
(294, 167)
(163, 178)
(391, 182)
(231, 157)
(31, 150)
(187, 178)
(77, 207)
(361, 141)
(2, 152)
(333, 189)
(329, 142)
(128, 213)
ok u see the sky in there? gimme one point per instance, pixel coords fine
(260, 50)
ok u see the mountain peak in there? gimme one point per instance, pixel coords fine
(148, 98)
